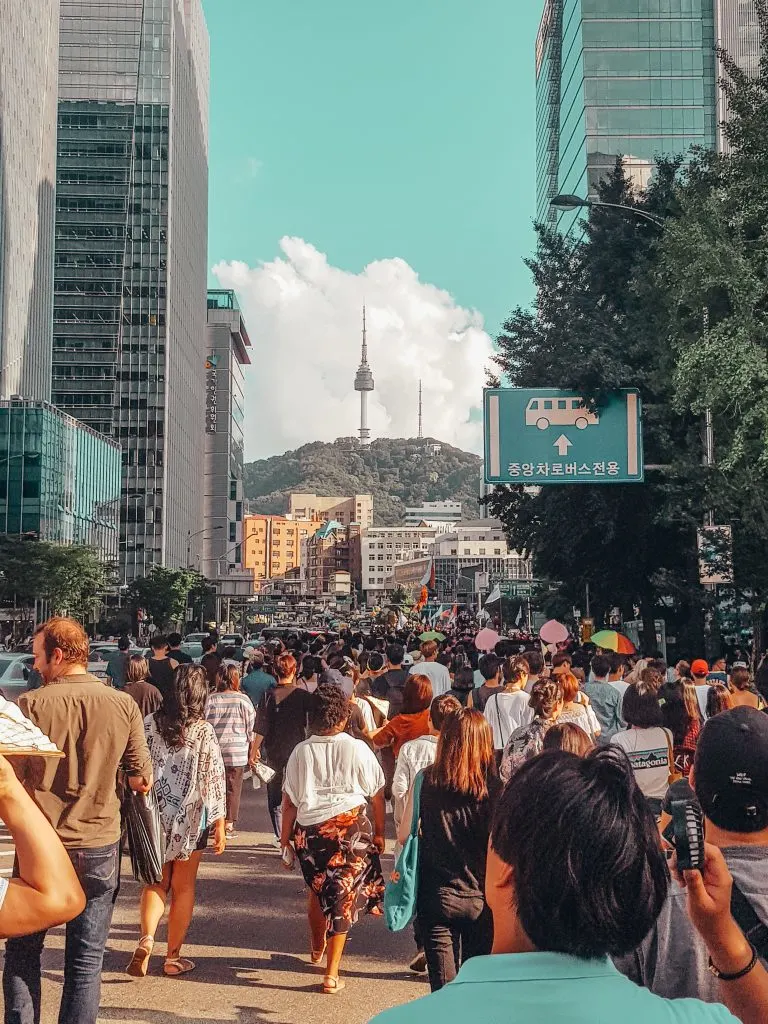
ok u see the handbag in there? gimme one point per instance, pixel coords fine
(146, 836)
(263, 772)
(400, 892)
(674, 774)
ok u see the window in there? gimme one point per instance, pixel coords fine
(233, 490)
(467, 551)
(232, 532)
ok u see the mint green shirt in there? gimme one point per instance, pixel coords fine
(549, 988)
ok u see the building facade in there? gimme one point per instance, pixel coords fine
(272, 544)
(225, 362)
(636, 80)
(382, 548)
(357, 509)
(29, 59)
(434, 513)
(59, 480)
(130, 266)
(334, 549)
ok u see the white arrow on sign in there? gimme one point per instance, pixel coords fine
(563, 444)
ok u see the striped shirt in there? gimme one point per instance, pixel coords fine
(233, 719)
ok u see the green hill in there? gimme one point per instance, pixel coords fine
(395, 471)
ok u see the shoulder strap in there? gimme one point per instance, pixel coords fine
(746, 918)
(416, 817)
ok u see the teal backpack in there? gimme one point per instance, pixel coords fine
(400, 893)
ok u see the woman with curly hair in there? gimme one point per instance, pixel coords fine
(528, 740)
(329, 779)
(190, 788)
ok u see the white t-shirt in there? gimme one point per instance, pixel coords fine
(506, 712)
(648, 753)
(414, 755)
(438, 674)
(702, 692)
(619, 684)
(329, 775)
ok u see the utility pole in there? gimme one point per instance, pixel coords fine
(421, 422)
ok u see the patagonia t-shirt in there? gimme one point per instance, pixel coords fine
(648, 753)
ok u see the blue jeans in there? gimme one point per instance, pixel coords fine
(86, 937)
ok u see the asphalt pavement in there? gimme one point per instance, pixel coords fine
(250, 941)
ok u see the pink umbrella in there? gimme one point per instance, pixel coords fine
(553, 632)
(486, 639)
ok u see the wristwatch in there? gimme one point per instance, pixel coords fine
(736, 975)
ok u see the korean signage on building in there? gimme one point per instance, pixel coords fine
(211, 389)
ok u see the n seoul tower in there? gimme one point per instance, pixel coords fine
(364, 384)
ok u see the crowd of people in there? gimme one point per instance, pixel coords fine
(536, 780)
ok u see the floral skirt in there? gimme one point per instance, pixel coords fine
(341, 866)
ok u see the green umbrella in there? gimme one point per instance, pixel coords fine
(431, 635)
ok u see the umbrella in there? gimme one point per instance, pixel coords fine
(486, 639)
(610, 640)
(553, 632)
(431, 635)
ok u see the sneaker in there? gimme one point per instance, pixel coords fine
(419, 963)
(230, 833)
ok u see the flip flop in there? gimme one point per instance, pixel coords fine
(332, 986)
(139, 964)
(173, 968)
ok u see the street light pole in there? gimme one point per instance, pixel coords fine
(565, 203)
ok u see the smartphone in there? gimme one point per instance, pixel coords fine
(685, 831)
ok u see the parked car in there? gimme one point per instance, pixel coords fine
(17, 675)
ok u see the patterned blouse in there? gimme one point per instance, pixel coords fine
(524, 743)
(189, 785)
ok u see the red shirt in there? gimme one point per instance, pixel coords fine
(401, 729)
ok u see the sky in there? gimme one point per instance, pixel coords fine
(377, 153)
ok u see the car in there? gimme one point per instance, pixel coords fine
(17, 675)
(231, 640)
(193, 649)
(195, 638)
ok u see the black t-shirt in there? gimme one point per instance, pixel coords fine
(161, 674)
(180, 656)
(454, 839)
(282, 718)
(390, 687)
(482, 695)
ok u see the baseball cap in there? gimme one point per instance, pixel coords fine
(407, 660)
(731, 770)
(699, 667)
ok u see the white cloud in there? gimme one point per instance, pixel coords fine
(304, 320)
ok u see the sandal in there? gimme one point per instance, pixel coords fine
(332, 986)
(173, 968)
(137, 968)
(316, 955)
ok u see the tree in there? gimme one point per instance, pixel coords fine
(163, 594)
(596, 326)
(711, 279)
(69, 579)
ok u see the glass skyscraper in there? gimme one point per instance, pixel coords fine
(29, 33)
(131, 245)
(636, 78)
(59, 480)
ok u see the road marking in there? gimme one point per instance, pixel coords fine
(562, 444)
(494, 444)
(632, 445)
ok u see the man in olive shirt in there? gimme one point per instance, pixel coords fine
(100, 731)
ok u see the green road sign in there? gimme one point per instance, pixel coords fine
(546, 436)
(515, 589)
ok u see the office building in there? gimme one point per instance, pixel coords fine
(272, 544)
(636, 80)
(59, 480)
(29, 34)
(225, 362)
(477, 543)
(382, 548)
(441, 515)
(738, 32)
(130, 273)
(328, 556)
(357, 509)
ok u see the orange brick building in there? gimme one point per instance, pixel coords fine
(272, 544)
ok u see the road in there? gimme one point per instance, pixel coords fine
(250, 942)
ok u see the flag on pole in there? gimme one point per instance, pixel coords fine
(494, 596)
(519, 618)
(428, 578)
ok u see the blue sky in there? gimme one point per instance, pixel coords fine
(374, 131)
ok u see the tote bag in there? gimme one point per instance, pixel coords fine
(400, 893)
(146, 838)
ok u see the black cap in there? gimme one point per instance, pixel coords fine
(731, 770)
